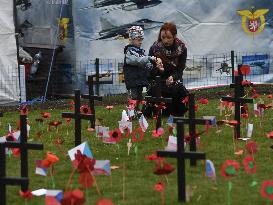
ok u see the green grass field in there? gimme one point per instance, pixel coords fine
(132, 183)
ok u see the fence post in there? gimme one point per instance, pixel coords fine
(97, 64)
(232, 66)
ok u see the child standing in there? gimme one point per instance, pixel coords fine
(137, 66)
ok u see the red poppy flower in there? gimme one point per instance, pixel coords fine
(46, 114)
(137, 135)
(229, 169)
(109, 107)
(152, 157)
(85, 109)
(59, 141)
(104, 202)
(233, 122)
(269, 96)
(26, 195)
(203, 101)
(159, 186)
(39, 119)
(256, 95)
(251, 147)
(157, 133)
(185, 100)
(163, 168)
(267, 189)
(55, 123)
(90, 129)
(196, 107)
(244, 115)
(86, 180)
(24, 110)
(83, 163)
(68, 120)
(247, 83)
(115, 135)
(249, 165)
(270, 135)
(50, 160)
(245, 69)
(75, 197)
(160, 106)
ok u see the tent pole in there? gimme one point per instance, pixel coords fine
(17, 44)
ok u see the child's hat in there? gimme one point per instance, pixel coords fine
(136, 32)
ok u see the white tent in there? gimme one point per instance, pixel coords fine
(9, 81)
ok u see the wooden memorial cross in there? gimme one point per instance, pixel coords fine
(238, 100)
(24, 147)
(92, 98)
(181, 155)
(192, 121)
(158, 99)
(78, 116)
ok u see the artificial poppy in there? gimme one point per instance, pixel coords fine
(203, 101)
(152, 157)
(115, 135)
(159, 186)
(46, 114)
(163, 168)
(233, 122)
(50, 160)
(157, 133)
(244, 115)
(86, 180)
(196, 107)
(251, 147)
(109, 107)
(26, 194)
(24, 110)
(137, 135)
(90, 129)
(83, 163)
(85, 109)
(256, 95)
(229, 169)
(269, 96)
(39, 119)
(267, 189)
(72, 103)
(185, 100)
(247, 83)
(104, 202)
(270, 135)
(249, 165)
(68, 120)
(75, 197)
(55, 123)
(245, 69)
(161, 106)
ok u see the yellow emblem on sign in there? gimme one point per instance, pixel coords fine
(251, 19)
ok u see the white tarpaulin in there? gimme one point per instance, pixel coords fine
(9, 83)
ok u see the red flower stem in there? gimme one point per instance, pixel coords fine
(70, 179)
(95, 181)
(162, 197)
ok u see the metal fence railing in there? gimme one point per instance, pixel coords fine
(210, 70)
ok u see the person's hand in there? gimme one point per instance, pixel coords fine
(159, 64)
(169, 80)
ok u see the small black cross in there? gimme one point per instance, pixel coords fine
(78, 116)
(24, 147)
(192, 121)
(238, 100)
(92, 98)
(181, 155)
(158, 99)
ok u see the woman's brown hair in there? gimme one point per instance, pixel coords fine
(168, 26)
